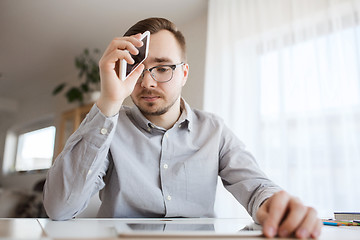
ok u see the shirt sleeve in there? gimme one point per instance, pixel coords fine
(242, 176)
(78, 171)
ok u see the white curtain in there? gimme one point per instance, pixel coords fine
(285, 76)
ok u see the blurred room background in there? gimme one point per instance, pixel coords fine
(283, 74)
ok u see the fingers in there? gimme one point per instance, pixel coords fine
(295, 216)
(310, 226)
(134, 76)
(285, 215)
(301, 221)
(120, 48)
(277, 207)
(125, 43)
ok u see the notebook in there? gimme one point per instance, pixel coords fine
(348, 216)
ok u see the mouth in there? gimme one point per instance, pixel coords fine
(150, 98)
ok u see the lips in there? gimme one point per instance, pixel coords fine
(150, 98)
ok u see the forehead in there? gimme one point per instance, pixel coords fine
(163, 48)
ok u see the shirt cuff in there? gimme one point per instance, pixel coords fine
(97, 128)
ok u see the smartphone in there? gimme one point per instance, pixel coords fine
(126, 69)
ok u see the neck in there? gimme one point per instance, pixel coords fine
(168, 119)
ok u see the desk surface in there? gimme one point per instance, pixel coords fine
(105, 228)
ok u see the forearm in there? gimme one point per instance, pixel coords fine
(250, 188)
(242, 176)
(77, 172)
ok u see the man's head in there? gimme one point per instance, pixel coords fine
(154, 25)
(166, 48)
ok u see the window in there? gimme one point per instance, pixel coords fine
(309, 111)
(35, 149)
(287, 83)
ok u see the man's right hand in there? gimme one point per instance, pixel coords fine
(113, 90)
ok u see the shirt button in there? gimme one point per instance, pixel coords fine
(103, 131)
(179, 125)
(149, 129)
(89, 172)
(168, 197)
(166, 166)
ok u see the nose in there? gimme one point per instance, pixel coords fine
(147, 81)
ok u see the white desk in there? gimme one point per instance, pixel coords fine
(105, 228)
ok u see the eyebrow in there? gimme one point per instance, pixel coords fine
(161, 60)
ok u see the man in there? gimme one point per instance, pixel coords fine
(162, 158)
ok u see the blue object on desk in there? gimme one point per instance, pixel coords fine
(331, 223)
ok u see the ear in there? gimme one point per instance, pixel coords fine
(186, 73)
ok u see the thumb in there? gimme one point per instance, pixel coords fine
(262, 216)
(263, 212)
(134, 76)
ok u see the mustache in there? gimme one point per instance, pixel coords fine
(147, 92)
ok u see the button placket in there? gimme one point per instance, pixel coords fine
(164, 171)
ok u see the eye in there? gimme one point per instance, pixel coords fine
(163, 69)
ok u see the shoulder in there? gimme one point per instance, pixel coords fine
(202, 116)
(212, 122)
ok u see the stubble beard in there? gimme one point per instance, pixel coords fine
(157, 112)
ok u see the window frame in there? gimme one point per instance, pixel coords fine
(12, 144)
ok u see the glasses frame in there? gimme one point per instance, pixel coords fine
(172, 66)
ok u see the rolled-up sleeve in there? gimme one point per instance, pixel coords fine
(78, 171)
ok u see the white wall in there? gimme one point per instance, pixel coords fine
(195, 34)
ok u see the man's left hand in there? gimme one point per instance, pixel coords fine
(285, 215)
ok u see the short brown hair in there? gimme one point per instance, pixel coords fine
(154, 25)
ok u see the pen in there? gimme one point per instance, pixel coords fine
(331, 223)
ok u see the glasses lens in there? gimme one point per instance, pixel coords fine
(162, 73)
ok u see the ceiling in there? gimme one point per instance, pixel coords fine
(40, 38)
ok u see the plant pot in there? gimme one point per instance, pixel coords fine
(91, 97)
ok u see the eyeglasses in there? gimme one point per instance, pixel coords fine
(161, 73)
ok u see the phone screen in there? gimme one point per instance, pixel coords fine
(138, 58)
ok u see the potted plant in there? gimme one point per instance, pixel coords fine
(89, 77)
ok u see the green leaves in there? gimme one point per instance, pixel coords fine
(74, 94)
(89, 76)
(88, 67)
(59, 88)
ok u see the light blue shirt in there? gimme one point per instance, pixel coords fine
(142, 170)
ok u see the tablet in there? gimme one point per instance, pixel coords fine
(160, 229)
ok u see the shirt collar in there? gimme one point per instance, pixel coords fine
(186, 115)
(185, 118)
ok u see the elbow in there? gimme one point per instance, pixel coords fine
(55, 212)
(55, 209)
